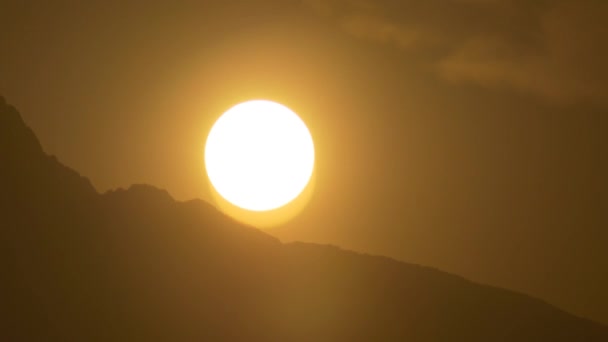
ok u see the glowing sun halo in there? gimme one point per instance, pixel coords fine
(259, 155)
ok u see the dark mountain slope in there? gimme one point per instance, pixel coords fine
(135, 265)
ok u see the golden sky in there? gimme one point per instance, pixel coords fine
(467, 135)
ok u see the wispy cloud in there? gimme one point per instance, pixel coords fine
(554, 49)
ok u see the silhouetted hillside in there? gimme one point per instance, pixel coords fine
(135, 265)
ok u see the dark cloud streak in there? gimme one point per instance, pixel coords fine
(552, 49)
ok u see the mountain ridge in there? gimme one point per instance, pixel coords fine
(136, 264)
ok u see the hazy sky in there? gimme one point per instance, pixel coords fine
(467, 135)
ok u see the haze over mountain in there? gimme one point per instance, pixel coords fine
(135, 264)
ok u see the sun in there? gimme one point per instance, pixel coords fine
(259, 155)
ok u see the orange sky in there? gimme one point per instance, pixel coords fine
(464, 135)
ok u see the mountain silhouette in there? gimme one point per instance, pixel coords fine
(136, 265)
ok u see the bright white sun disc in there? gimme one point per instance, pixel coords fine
(259, 155)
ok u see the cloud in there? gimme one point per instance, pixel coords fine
(553, 49)
(375, 28)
